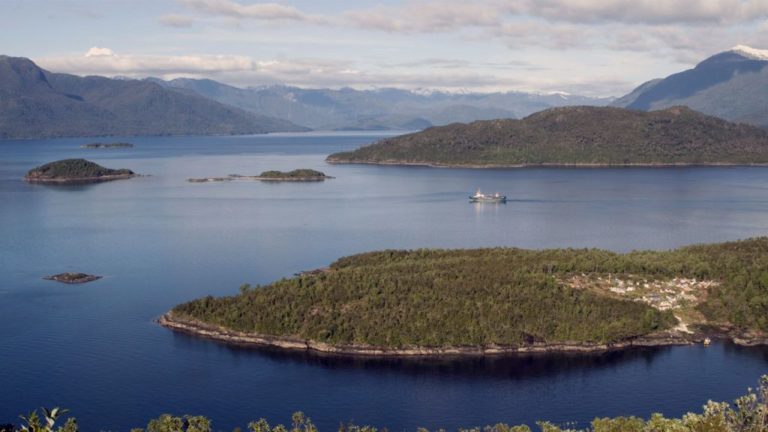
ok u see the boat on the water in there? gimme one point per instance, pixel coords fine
(481, 197)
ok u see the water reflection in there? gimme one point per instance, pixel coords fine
(511, 367)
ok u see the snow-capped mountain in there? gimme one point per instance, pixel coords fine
(732, 85)
(751, 53)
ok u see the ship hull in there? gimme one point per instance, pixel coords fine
(488, 200)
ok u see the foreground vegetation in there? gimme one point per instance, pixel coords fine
(498, 296)
(748, 413)
(576, 136)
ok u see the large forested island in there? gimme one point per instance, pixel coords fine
(576, 136)
(432, 302)
(75, 171)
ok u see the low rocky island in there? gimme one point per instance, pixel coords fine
(70, 171)
(72, 278)
(497, 301)
(578, 137)
(298, 175)
(117, 145)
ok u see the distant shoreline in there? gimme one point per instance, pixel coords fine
(80, 180)
(221, 334)
(258, 178)
(543, 165)
(387, 132)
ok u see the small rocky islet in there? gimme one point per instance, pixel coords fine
(72, 277)
(71, 171)
(99, 145)
(297, 175)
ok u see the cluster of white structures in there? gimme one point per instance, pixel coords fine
(661, 294)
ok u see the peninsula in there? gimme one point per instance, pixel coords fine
(298, 175)
(72, 278)
(496, 301)
(575, 136)
(75, 171)
(116, 145)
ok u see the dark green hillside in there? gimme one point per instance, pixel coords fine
(430, 298)
(491, 296)
(732, 85)
(74, 169)
(576, 136)
(35, 103)
(297, 173)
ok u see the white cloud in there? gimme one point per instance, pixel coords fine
(233, 9)
(649, 11)
(451, 15)
(103, 61)
(179, 21)
(99, 52)
(682, 30)
(432, 16)
(246, 71)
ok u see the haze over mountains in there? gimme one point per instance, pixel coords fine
(386, 108)
(35, 103)
(732, 85)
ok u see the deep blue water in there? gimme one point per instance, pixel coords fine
(160, 240)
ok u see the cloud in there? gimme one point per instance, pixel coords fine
(451, 15)
(178, 21)
(454, 63)
(426, 17)
(103, 61)
(246, 71)
(233, 9)
(649, 11)
(99, 52)
(680, 29)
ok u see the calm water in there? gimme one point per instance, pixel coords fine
(159, 241)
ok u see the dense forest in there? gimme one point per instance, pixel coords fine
(74, 168)
(482, 297)
(297, 173)
(748, 413)
(576, 136)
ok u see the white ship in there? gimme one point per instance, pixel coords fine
(481, 197)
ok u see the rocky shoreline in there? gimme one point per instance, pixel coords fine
(393, 162)
(221, 334)
(79, 180)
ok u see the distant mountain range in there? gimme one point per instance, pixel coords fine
(732, 85)
(35, 103)
(387, 108)
(580, 136)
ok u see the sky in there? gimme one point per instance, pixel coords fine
(585, 47)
